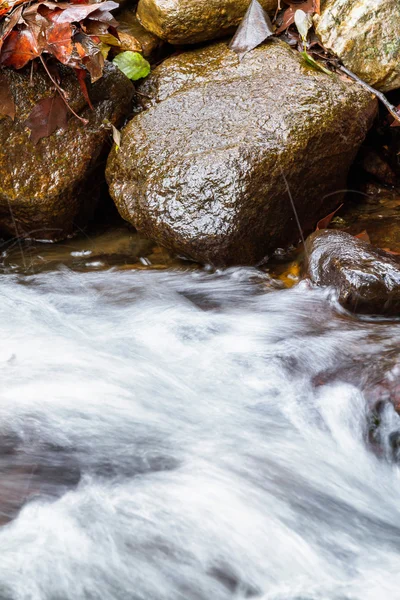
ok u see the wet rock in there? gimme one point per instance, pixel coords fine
(202, 170)
(100, 247)
(46, 188)
(367, 280)
(365, 34)
(190, 22)
(377, 212)
(129, 23)
(374, 164)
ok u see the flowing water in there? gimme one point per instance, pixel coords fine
(185, 434)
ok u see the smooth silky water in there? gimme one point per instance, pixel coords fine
(183, 434)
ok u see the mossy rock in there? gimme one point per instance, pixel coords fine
(45, 189)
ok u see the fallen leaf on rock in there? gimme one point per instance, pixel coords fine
(116, 136)
(255, 28)
(132, 64)
(308, 6)
(79, 12)
(7, 104)
(30, 30)
(92, 56)
(128, 42)
(323, 223)
(389, 251)
(8, 25)
(81, 75)
(363, 236)
(46, 116)
(19, 48)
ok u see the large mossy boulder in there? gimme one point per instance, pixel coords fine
(365, 34)
(366, 279)
(48, 187)
(192, 21)
(205, 169)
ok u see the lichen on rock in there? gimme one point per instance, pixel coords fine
(365, 35)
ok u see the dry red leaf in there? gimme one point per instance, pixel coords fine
(55, 28)
(46, 116)
(81, 75)
(44, 28)
(323, 223)
(308, 6)
(8, 25)
(389, 251)
(59, 42)
(19, 48)
(363, 236)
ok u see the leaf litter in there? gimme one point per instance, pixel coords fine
(70, 33)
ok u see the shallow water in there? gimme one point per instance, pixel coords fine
(193, 435)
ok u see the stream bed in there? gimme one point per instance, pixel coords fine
(177, 433)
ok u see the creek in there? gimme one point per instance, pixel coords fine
(181, 433)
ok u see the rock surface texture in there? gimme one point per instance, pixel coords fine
(366, 279)
(190, 22)
(365, 34)
(202, 170)
(45, 187)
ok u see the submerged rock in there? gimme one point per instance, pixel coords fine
(47, 187)
(367, 280)
(203, 170)
(365, 34)
(190, 22)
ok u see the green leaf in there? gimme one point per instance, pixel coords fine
(313, 63)
(132, 64)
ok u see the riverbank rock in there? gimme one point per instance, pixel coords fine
(205, 169)
(47, 187)
(189, 22)
(365, 34)
(367, 280)
(129, 23)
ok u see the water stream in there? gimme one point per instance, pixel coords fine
(184, 434)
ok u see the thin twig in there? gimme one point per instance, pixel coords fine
(392, 109)
(62, 93)
(16, 232)
(294, 210)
